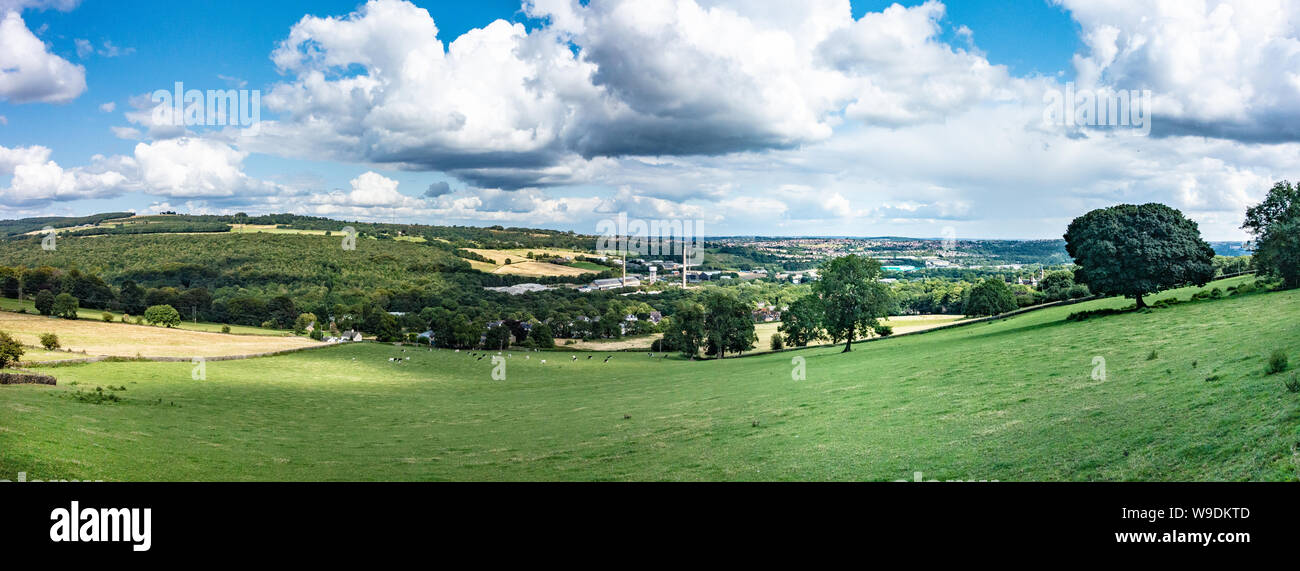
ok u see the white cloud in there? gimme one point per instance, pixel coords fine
(11, 158)
(752, 116)
(174, 168)
(110, 50)
(159, 122)
(36, 179)
(504, 107)
(29, 72)
(128, 133)
(1220, 68)
(84, 48)
(189, 167)
(371, 189)
(20, 5)
(108, 107)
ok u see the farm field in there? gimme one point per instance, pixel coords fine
(35, 355)
(764, 331)
(129, 340)
(273, 229)
(29, 306)
(1184, 397)
(523, 268)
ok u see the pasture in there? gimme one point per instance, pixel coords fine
(1184, 396)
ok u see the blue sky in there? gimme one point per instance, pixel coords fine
(891, 113)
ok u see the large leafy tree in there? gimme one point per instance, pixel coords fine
(132, 298)
(852, 296)
(498, 338)
(1135, 250)
(45, 302)
(542, 336)
(284, 312)
(686, 332)
(10, 350)
(164, 315)
(801, 322)
(991, 296)
(89, 289)
(1057, 285)
(1275, 223)
(728, 323)
(65, 306)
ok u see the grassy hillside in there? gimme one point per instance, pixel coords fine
(1185, 398)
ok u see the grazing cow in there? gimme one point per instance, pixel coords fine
(543, 361)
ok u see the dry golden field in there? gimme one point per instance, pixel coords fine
(125, 340)
(524, 267)
(764, 331)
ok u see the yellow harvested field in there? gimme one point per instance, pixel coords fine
(520, 264)
(764, 331)
(539, 269)
(482, 266)
(910, 323)
(272, 229)
(642, 342)
(124, 340)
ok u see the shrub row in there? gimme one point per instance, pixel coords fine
(7, 378)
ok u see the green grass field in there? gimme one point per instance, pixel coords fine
(1013, 399)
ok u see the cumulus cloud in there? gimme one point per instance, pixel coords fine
(371, 189)
(191, 167)
(29, 72)
(175, 168)
(37, 179)
(504, 107)
(748, 115)
(1218, 68)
